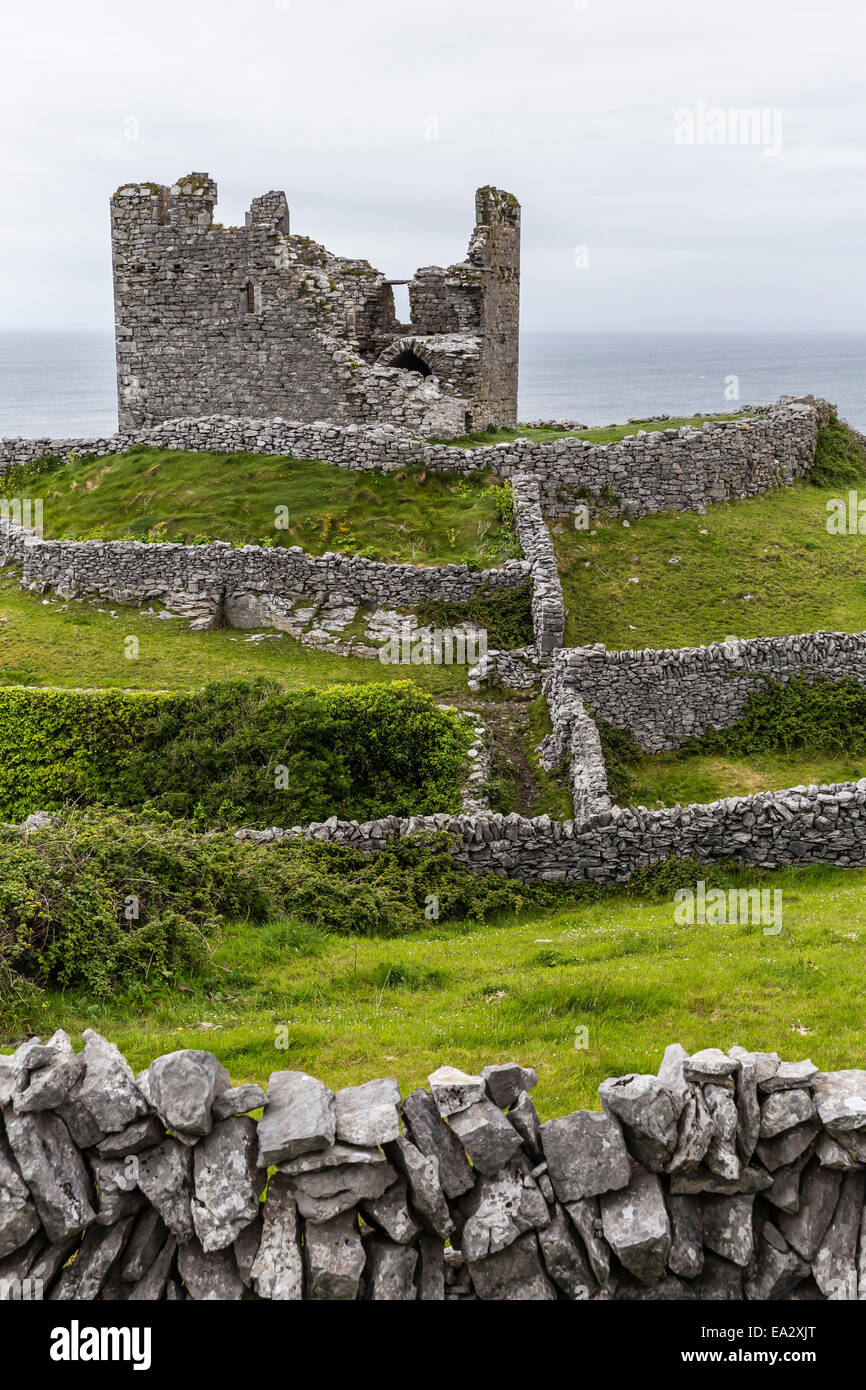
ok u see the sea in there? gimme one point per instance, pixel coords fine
(60, 385)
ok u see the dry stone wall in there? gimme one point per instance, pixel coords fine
(245, 586)
(725, 1176)
(664, 697)
(684, 469)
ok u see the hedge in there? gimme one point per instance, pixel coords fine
(235, 752)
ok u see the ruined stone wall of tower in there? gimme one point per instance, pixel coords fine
(257, 321)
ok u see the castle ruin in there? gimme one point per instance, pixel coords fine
(260, 322)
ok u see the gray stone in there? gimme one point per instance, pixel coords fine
(299, 1117)
(790, 1076)
(776, 1269)
(335, 1156)
(238, 1100)
(141, 1134)
(585, 1216)
(727, 1227)
(47, 1086)
(432, 1136)
(453, 1090)
(500, 1208)
(702, 1180)
(330, 1191)
(209, 1276)
(648, 1111)
(841, 1100)
(227, 1182)
(695, 1130)
(565, 1259)
(845, 1150)
(686, 1256)
(507, 1082)
(105, 1099)
(787, 1146)
(116, 1189)
(334, 1258)
(784, 1192)
(636, 1226)
(165, 1179)
(425, 1189)
(835, 1263)
(805, 1228)
(516, 1273)
(277, 1272)
(18, 1219)
(486, 1134)
(183, 1087)
(722, 1157)
(783, 1110)
(100, 1250)
(390, 1213)
(389, 1272)
(246, 1246)
(586, 1155)
(154, 1282)
(710, 1065)
(766, 1064)
(430, 1274)
(524, 1116)
(719, 1281)
(748, 1107)
(54, 1171)
(144, 1244)
(369, 1114)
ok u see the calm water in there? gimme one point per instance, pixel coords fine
(63, 384)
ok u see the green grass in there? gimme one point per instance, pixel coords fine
(764, 566)
(350, 1008)
(667, 779)
(161, 494)
(52, 642)
(603, 434)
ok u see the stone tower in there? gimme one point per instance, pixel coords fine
(257, 321)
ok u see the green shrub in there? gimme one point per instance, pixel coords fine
(808, 711)
(505, 614)
(622, 753)
(109, 903)
(236, 752)
(840, 457)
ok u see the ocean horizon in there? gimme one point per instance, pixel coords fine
(62, 385)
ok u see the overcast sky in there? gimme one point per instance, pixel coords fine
(379, 118)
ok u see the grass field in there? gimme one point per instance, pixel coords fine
(666, 779)
(603, 434)
(52, 642)
(161, 494)
(350, 1008)
(760, 567)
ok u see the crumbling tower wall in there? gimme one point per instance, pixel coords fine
(258, 321)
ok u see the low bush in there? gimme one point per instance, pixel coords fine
(840, 457)
(236, 752)
(506, 615)
(808, 711)
(113, 904)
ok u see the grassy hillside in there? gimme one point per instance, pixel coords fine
(161, 494)
(49, 641)
(764, 566)
(349, 1007)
